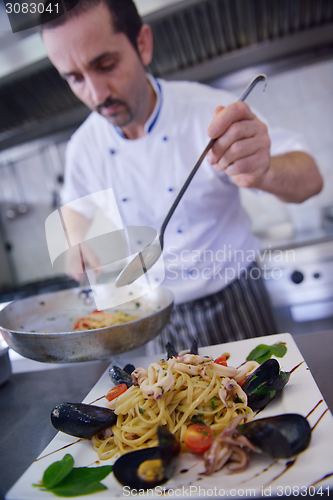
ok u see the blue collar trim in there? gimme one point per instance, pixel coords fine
(157, 107)
(149, 125)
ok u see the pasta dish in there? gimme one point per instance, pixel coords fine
(101, 319)
(174, 393)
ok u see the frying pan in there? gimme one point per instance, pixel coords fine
(41, 327)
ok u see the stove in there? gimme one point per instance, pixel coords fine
(299, 282)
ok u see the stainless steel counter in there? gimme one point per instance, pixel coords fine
(27, 399)
(297, 239)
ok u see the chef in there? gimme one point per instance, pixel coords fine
(142, 139)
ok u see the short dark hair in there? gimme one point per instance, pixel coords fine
(125, 17)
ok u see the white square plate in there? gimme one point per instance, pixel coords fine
(310, 472)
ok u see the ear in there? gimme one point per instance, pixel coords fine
(145, 44)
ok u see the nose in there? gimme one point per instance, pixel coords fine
(98, 89)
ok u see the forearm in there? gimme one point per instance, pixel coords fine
(292, 177)
(76, 227)
(76, 224)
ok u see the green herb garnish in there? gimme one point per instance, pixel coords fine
(261, 390)
(141, 410)
(213, 403)
(57, 471)
(264, 352)
(197, 420)
(65, 480)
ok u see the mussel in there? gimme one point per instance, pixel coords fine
(81, 420)
(282, 436)
(194, 347)
(147, 468)
(129, 368)
(171, 351)
(264, 383)
(119, 376)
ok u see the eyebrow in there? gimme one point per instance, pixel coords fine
(92, 63)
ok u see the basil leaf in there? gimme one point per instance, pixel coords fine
(264, 352)
(258, 352)
(85, 475)
(264, 358)
(74, 490)
(278, 350)
(57, 471)
(62, 479)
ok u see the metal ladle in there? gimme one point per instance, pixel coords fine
(147, 257)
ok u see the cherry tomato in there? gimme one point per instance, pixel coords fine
(242, 382)
(222, 360)
(81, 323)
(116, 391)
(198, 437)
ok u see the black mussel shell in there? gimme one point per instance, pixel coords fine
(194, 347)
(119, 376)
(81, 420)
(169, 447)
(266, 372)
(280, 437)
(171, 351)
(129, 368)
(264, 383)
(126, 467)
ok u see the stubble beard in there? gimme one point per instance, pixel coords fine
(119, 119)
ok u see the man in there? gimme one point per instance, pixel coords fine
(143, 138)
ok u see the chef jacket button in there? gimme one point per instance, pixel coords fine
(179, 231)
(165, 138)
(170, 189)
(139, 242)
(112, 151)
(124, 199)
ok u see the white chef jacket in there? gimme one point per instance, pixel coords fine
(208, 241)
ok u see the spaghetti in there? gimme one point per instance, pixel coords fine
(171, 393)
(101, 319)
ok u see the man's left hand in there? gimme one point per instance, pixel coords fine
(242, 148)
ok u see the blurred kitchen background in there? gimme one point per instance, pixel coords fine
(223, 43)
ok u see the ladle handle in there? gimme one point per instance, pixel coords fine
(179, 196)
